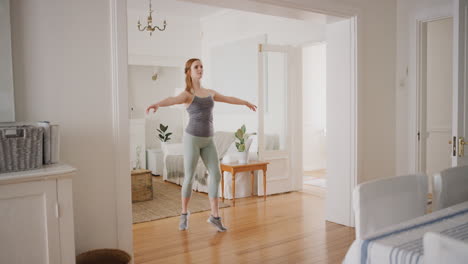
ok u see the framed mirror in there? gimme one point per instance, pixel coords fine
(7, 99)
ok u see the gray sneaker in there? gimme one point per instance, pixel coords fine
(183, 224)
(217, 223)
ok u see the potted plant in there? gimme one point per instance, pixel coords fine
(164, 134)
(241, 145)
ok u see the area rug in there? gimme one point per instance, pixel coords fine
(166, 202)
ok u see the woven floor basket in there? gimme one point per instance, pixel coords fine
(104, 256)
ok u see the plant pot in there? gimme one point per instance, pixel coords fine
(243, 157)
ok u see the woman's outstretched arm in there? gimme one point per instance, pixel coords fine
(179, 99)
(232, 100)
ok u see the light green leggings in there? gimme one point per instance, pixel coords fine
(194, 147)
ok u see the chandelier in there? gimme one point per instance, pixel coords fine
(149, 27)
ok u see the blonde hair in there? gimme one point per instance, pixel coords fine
(188, 77)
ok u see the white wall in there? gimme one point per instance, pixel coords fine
(143, 91)
(233, 28)
(179, 42)
(234, 70)
(233, 25)
(7, 98)
(314, 106)
(62, 73)
(405, 107)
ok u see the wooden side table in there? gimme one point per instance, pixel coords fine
(236, 167)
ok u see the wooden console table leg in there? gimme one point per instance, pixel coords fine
(252, 175)
(264, 184)
(222, 185)
(233, 188)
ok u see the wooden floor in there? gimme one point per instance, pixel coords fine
(311, 189)
(287, 228)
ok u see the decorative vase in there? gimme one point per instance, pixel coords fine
(243, 157)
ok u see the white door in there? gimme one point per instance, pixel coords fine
(436, 95)
(276, 91)
(29, 228)
(460, 93)
(341, 120)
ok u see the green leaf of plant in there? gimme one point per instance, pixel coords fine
(160, 131)
(161, 127)
(239, 134)
(165, 128)
(168, 134)
(161, 136)
(243, 129)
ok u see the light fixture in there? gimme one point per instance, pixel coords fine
(149, 27)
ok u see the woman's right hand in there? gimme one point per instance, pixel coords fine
(154, 107)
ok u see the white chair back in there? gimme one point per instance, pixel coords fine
(442, 249)
(450, 187)
(384, 202)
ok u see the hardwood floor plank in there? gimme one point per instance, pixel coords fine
(286, 228)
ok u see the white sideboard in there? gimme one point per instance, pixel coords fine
(36, 216)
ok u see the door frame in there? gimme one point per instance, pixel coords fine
(120, 123)
(119, 88)
(417, 113)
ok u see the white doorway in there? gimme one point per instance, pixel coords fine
(314, 118)
(435, 97)
(345, 158)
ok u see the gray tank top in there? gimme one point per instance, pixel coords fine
(201, 116)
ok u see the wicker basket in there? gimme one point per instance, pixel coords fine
(142, 186)
(104, 256)
(21, 148)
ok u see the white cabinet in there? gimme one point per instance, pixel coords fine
(36, 216)
(155, 161)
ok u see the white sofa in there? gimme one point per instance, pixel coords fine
(225, 144)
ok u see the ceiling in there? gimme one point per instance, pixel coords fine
(173, 8)
(190, 8)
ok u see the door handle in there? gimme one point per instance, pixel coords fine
(461, 146)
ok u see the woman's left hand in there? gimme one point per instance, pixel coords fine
(251, 106)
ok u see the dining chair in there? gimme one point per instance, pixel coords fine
(384, 202)
(450, 187)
